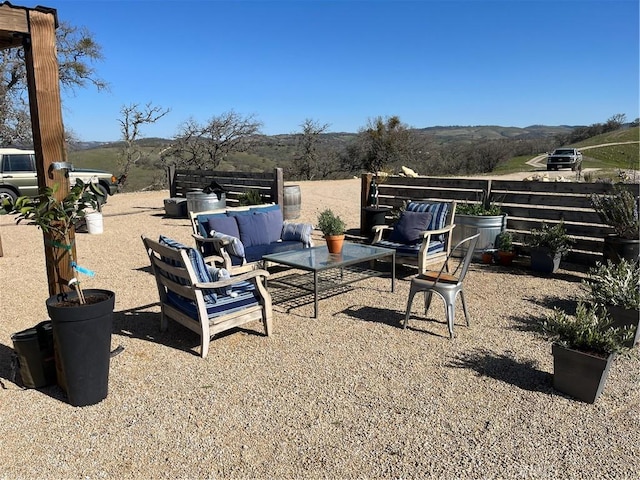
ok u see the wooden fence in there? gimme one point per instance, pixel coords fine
(269, 184)
(528, 204)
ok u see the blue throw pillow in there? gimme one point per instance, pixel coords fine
(224, 224)
(203, 222)
(410, 226)
(253, 229)
(297, 232)
(274, 224)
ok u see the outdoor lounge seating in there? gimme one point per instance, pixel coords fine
(242, 236)
(422, 235)
(203, 298)
(446, 285)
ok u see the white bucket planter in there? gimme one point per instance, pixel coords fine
(94, 223)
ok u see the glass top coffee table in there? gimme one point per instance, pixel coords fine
(348, 264)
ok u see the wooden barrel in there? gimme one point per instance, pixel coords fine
(292, 200)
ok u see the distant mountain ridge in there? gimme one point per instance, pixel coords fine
(444, 134)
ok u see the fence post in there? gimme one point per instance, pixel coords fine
(364, 196)
(277, 192)
(171, 179)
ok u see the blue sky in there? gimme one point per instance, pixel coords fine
(475, 62)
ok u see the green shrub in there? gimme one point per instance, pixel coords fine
(552, 238)
(614, 284)
(620, 211)
(330, 224)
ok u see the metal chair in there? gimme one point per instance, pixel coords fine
(446, 285)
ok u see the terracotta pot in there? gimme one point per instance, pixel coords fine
(334, 243)
(505, 258)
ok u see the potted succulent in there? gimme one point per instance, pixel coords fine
(619, 210)
(584, 345)
(548, 245)
(332, 227)
(504, 241)
(82, 318)
(616, 287)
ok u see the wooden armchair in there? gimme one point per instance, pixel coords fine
(422, 235)
(205, 299)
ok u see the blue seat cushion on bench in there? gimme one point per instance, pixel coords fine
(224, 304)
(256, 252)
(435, 246)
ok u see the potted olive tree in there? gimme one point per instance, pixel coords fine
(81, 318)
(548, 245)
(616, 286)
(504, 242)
(619, 210)
(584, 346)
(332, 227)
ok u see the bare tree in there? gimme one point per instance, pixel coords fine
(76, 52)
(307, 159)
(133, 119)
(205, 146)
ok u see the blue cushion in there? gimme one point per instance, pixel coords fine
(256, 252)
(274, 224)
(234, 247)
(244, 296)
(264, 209)
(411, 250)
(223, 224)
(297, 232)
(254, 229)
(197, 262)
(239, 213)
(410, 226)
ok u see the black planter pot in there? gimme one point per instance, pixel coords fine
(543, 261)
(616, 248)
(623, 317)
(82, 336)
(373, 216)
(579, 374)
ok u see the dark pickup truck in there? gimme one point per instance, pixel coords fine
(18, 176)
(565, 158)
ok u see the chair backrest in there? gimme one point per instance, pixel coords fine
(457, 276)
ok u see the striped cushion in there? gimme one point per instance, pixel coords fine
(244, 296)
(197, 262)
(435, 246)
(439, 211)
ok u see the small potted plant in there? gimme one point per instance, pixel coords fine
(504, 241)
(619, 210)
(332, 227)
(548, 245)
(584, 345)
(82, 318)
(616, 286)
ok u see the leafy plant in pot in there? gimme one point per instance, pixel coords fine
(548, 245)
(483, 217)
(619, 210)
(81, 319)
(584, 346)
(616, 287)
(332, 227)
(506, 253)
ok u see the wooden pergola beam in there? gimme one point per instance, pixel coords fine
(34, 30)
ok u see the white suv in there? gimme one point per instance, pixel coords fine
(18, 175)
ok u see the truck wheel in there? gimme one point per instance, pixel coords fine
(7, 194)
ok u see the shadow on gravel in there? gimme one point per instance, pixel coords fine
(521, 374)
(145, 325)
(374, 314)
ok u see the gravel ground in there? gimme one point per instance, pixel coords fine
(347, 395)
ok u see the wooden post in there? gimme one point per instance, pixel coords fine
(364, 196)
(278, 187)
(48, 130)
(171, 178)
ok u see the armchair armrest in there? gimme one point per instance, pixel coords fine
(258, 273)
(377, 231)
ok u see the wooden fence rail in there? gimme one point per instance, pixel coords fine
(527, 204)
(269, 184)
